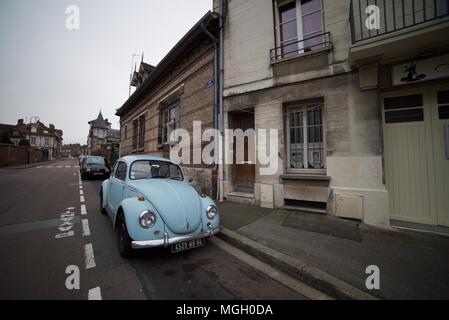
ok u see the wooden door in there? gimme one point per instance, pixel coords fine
(243, 173)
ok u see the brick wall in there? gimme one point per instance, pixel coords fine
(196, 103)
(13, 156)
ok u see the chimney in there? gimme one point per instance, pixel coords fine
(20, 122)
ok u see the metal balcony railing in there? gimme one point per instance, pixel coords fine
(372, 18)
(307, 44)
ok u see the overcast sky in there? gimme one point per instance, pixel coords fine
(65, 76)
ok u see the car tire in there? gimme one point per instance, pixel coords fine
(123, 238)
(102, 209)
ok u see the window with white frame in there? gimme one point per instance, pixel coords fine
(300, 26)
(305, 136)
(33, 140)
(170, 120)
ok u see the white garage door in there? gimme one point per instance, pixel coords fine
(416, 155)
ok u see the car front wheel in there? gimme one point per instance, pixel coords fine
(123, 238)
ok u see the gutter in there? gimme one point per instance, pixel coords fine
(220, 101)
(216, 99)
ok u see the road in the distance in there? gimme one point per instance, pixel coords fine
(41, 206)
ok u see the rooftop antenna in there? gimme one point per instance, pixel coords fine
(134, 55)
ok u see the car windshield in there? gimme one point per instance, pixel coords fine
(95, 160)
(152, 169)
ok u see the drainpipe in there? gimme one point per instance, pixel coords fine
(220, 101)
(216, 98)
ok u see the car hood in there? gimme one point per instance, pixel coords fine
(177, 202)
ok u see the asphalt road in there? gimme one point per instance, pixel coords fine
(40, 207)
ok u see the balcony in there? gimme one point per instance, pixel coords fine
(290, 58)
(303, 47)
(388, 29)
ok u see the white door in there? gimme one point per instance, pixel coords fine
(440, 136)
(416, 167)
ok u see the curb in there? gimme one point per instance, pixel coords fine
(296, 268)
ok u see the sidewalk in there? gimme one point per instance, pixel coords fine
(332, 254)
(30, 165)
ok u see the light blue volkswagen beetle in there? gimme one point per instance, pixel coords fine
(152, 205)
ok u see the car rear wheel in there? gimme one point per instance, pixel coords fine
(123, 238)
(102, 209)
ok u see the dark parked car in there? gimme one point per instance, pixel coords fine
(81, 161)
(95, 167)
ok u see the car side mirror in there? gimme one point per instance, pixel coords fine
(190, 180)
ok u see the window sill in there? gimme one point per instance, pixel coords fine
(138, 150)
(305, 176)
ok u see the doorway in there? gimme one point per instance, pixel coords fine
(243, 173)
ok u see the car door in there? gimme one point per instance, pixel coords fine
(117, 186)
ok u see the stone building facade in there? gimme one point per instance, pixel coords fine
(174, 94)
(303, 67)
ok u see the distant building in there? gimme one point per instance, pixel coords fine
(36, 135)
(71, 150)
(10, 134)
(102, 139)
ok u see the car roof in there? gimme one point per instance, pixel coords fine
(130, 159)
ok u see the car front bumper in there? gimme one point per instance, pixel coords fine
(169, 241)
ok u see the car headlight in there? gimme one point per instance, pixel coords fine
(211, 211)
(147, 219)
(88, 169)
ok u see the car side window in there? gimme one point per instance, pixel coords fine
(120, 173)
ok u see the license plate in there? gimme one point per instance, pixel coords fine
(186, 245)
(98, 173)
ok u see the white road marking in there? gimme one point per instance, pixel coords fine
(83, 209)
(68, 166)
(94, 294)
(86, 229)
(81, 192)
(59, 167)
(49, 167)
(89, 256)
(71, 208)
(39, 167)
(76, 166)
(81, 186)
(81, 198)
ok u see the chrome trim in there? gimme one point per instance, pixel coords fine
(208, 209)
(166, 242)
